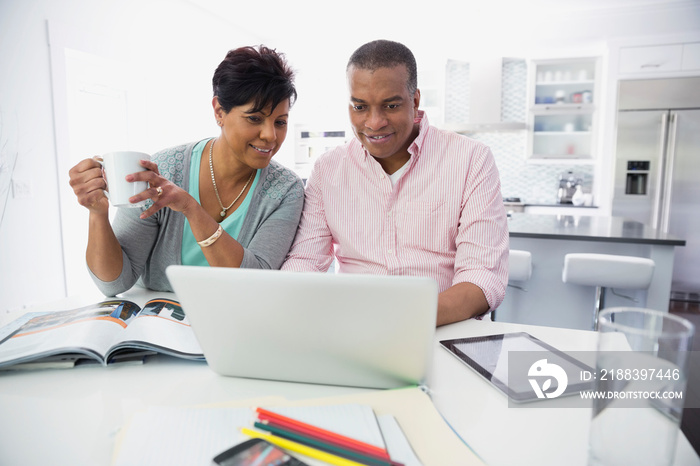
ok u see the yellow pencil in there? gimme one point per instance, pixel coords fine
(301, 449)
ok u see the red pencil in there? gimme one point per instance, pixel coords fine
(331, 440)
(326, 435)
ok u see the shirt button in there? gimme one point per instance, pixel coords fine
(390, 251)
(388, 214)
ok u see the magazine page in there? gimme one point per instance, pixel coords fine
(89, 331)
(163, 327)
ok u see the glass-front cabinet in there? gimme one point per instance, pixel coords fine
(562, 102)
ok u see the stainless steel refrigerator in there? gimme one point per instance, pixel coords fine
(657, 172)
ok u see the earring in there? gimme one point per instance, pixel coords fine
(220, 123)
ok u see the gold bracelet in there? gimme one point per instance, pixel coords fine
(212, 239)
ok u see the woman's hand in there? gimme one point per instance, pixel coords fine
(88, 185)
(163, 192)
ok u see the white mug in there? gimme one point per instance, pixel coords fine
(116, 166)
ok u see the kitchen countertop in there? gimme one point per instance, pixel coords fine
(545, 299)
(587, 228)
(518, 202)
(527, 204)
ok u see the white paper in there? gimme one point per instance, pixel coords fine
(193, 436)
(396, 442)
(189, 436)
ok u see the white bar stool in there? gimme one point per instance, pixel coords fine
(519, 270)
(607, 271)
(519, 266)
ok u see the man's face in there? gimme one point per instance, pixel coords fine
(382, 111)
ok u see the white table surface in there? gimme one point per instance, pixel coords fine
(525, 436)
(72, 416)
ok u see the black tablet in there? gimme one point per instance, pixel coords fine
(488, 356)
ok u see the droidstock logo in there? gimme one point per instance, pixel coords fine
(542, 370)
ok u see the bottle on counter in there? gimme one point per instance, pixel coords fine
(578, 198)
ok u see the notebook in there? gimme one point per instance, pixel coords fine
(336, 329)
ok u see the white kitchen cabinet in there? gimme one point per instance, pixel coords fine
(562, 108)
(651, 59)
(691, 56)
(659, 58)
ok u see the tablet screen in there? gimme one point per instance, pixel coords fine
(488, 356)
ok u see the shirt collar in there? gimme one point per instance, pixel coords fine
(423, 125)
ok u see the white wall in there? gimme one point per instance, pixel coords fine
(173, 46)
(319, 36)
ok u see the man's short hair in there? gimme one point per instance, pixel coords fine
(386, 54)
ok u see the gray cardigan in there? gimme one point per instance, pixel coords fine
(150, 245)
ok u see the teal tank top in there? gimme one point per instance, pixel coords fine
(191, 252)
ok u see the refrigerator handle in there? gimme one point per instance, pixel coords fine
(658, 197)
(668, 176)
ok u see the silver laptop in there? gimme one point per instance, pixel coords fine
(346, 329)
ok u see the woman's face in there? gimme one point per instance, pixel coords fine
(255, 137)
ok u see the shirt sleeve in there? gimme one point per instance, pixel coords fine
(137, 237)
(273, 237)
(482, 236)
(312, 250)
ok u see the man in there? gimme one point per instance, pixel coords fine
(403, 197)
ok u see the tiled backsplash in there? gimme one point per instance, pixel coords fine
(533, 183)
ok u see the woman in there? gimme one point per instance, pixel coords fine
(220, 201)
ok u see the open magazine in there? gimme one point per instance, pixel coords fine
(110, 331)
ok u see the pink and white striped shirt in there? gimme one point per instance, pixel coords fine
(444, 218)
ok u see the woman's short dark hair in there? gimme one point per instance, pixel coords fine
(386, 54)
(260, 75)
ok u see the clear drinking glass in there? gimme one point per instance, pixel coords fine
(641, 367)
